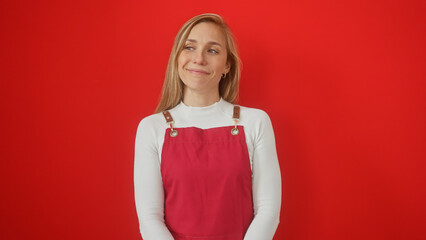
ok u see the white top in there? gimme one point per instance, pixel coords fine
(259, 134)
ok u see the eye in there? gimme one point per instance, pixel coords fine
(213, 51)
(188, 48)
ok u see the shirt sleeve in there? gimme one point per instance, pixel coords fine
(148, 185)
(266, 183)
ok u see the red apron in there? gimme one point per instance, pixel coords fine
(207, 182)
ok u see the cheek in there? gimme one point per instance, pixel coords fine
(221, 63)
(179, 61)
(180, 65)
(182, 60)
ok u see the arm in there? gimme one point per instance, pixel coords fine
(266, 184)
(148, 184)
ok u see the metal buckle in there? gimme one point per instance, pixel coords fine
(235, 130)
(173, 132)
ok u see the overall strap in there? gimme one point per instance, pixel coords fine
(170, 121)
(168, 117)
(236, 115)
(236, 118)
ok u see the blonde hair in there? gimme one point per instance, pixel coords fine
(172, 91)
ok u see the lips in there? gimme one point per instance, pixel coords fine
(196, 71)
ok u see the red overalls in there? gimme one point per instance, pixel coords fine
(207, 182)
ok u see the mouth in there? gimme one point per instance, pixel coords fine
(197, 71)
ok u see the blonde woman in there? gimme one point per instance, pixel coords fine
(206, 168)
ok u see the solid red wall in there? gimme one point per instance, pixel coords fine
(343, 82)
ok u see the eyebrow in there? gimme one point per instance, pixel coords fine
(211, 42)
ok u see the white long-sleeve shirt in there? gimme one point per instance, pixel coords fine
(259, 135)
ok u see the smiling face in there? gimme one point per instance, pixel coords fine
(203, 59)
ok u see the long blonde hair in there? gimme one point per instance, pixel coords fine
(172, 91)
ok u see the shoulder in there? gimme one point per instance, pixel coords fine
(257, 124)
(253, 115)
(152, 123)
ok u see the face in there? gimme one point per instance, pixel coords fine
(203, 59)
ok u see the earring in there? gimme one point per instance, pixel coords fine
(224, 75)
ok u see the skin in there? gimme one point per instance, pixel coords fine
(202, 63)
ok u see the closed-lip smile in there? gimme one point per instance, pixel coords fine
(196, 71)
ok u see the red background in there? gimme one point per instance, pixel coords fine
(343, 82)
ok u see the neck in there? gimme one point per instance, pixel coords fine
(195, 99)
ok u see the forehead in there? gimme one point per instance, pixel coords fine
(207, 32)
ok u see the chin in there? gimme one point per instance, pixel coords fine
(196, 87)
(195, 81)
(193, 86)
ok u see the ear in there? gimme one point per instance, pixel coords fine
(227, 67)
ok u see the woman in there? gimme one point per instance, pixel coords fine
(204, 167)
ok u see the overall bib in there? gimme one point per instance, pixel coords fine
(207, 182)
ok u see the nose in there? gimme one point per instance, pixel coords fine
(199, 58)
